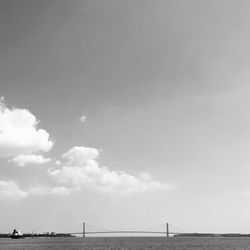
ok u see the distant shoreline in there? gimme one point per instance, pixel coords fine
(211, 235)
(44, 235)
(184, 235)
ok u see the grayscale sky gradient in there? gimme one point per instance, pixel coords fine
(158, 89)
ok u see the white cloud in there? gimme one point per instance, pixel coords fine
(19, 133)
(23, 160)
(9, 190)
(83, 118)
(83, 171)
(58, 162)
(81, 155)
(60, 191)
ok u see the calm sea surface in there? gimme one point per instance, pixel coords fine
(127, 243)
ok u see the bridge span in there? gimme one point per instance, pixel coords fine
(165, 233)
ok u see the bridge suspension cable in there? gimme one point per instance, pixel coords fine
(151, 230)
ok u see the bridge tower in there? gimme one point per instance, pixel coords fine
(167, 230)
(83, 230)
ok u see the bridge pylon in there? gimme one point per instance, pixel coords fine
(167, 230)
(83, 230)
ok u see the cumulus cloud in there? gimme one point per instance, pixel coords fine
(81, 155)
(9, 190)
(23, 160)
(83, 118)
(83, 171)
(19, 133)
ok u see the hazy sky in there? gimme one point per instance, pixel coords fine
(125, 114)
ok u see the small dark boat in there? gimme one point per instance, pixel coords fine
(16, 234)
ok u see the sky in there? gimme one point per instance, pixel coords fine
(125, 114)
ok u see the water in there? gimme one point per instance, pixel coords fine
(124, 243)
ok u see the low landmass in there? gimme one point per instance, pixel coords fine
(211, 235)
(32, 235)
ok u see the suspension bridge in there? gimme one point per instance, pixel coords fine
(165, 231)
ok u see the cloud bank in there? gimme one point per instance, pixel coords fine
(82, 171)
(19, 134)
(23, 141)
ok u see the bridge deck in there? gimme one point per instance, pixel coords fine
(126, 232)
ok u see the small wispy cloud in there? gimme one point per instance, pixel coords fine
(58, 162)
(83, 118)
(2, 99)
(11, 191)
(23, 160)
(41, 190)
